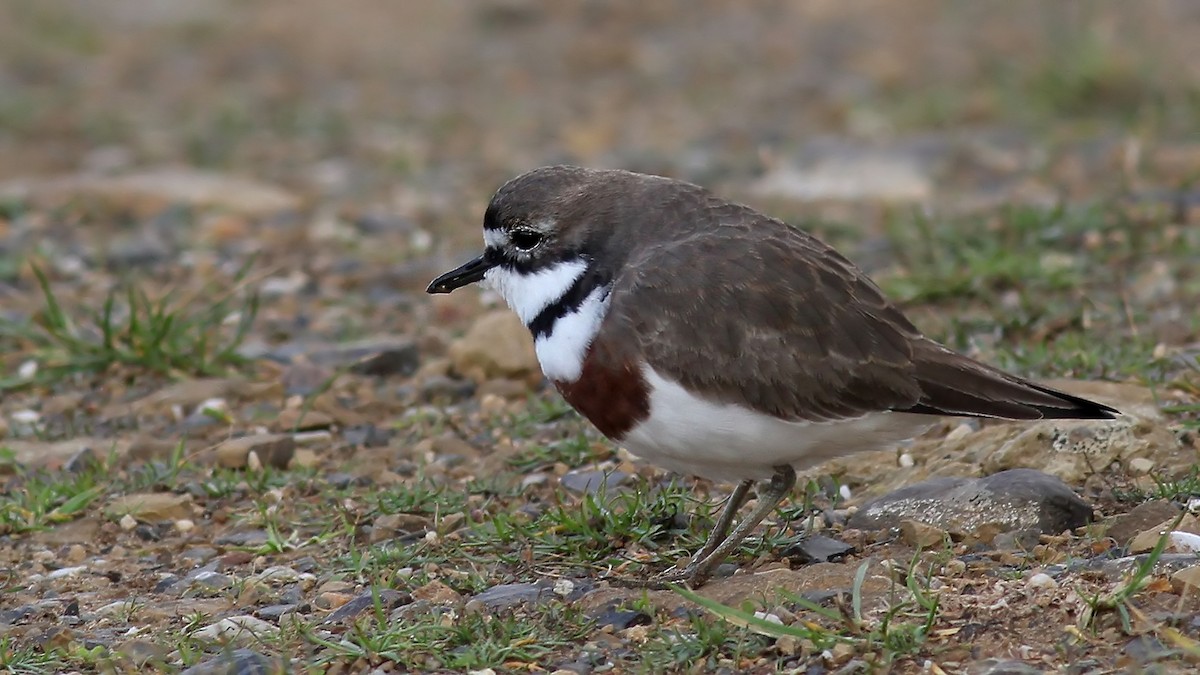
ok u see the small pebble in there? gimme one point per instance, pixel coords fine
(907, 461)
(772, 618)
(564, 587)
(66, 572)
(1185, 542)
(26, 416)
(27, 370)
(76, 554)
(1139, 466)
(492, 404)
(1041, 580)
(959, 432)
(185, 525)
(213, 406)
(128, 522)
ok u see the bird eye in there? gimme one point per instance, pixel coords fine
(525, 240)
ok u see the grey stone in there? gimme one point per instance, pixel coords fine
(1115, 569)
(242, 538)
(237, 662)
(615, 614)
(1145, 649)
(592, 481)
(372, 356)
(388, 598)
(208, 579)
(1125, 527)
(165, 583)
(1014, 500)
(84, 459)
(11, 616)
(142, 653)
(367, 435)
(199, 554)
(1002, 667)
(509, 595)
(396, 359)
(275, 612)
(440, 387)
(815, 548)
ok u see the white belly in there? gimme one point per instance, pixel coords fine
(692, 436)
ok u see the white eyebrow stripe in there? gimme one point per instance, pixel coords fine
(495, 238)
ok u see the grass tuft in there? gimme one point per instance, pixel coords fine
(168, 335)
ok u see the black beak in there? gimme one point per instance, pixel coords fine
(460, 276)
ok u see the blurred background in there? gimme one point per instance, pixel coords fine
(387, 125)
(375, 101)
(964, 153)
(218, 218)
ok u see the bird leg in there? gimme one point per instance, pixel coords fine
(718, 546)
(737, 499)
(699, 570)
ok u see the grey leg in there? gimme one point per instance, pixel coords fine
(718, 547)
(736, 500)
(702, 568)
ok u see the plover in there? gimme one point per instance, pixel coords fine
(715, 341)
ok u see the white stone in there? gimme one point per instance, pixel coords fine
(66, 572)
(1041, 580)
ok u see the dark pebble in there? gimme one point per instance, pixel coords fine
(396, 361)
(11, 616)
(345, 480)
(305, 564)
(1147, 649)
(816, 548)
(242, 538)
(615, 615)
(292, 595)
(82, 461)
(199, 554)
(388, 599)
(447, 389)
(165, 583)
(367, 436)
(235, 558)
(275, 612)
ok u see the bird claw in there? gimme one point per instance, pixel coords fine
(662, 581)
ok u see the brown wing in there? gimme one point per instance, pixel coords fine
(776, 321)
(780, 322)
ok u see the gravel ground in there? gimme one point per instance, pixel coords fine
(237, 437)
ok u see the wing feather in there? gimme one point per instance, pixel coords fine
(785, 325)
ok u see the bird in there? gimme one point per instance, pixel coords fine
(715, 341)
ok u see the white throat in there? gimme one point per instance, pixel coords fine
(529, 294)
(560, 352)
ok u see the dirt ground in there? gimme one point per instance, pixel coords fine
(236, 436)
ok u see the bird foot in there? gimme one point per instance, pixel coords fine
(688, 576)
